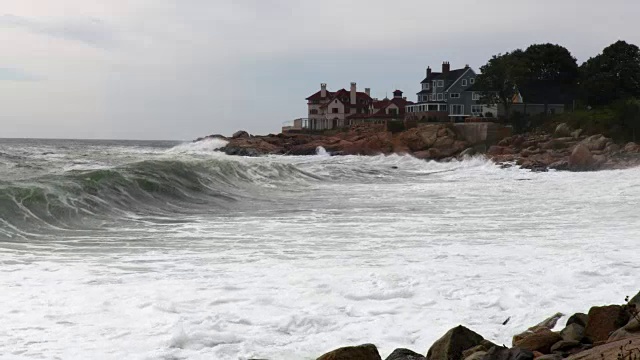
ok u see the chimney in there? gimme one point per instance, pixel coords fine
(353, 93)
(323, 90)
(367, 91)
(446, 67)
(428, 71)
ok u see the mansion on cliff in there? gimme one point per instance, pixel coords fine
(450, 95)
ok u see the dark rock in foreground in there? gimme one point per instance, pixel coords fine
(453, 343)
(362, 352)
(405, 354)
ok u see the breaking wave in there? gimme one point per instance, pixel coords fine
(161, 188)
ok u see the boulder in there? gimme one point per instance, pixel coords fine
(453, 343)
(405, 354)
(550, 357)
(604, 320)
(608, 351)
(476, 356)
(633, 325)
(468, 152)
(554, 144)
(635, 300)
(576, 134)
(632, 147)
(240, 134)
(503, 353)
(596, 142)
(612, 148)
(541, 341)
(562, 130)
(496, 150)
(560, 165)
(546, 324)
(572, 332)
(621, 334)
(484, 346)
(362, 352)
(578, 318)
(581, 159)
(565, 345)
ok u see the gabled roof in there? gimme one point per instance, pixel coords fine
(344, 94)
(430, 77)
(318, 96)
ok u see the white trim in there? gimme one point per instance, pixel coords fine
(472, 80)
(440, 97)
(477, 112)
(454, 97)
(461, 76)
(475, 96)
(452, 106)
(440, 83)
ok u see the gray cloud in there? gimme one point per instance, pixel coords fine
(89, 31)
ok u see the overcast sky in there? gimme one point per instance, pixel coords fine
(178, 69)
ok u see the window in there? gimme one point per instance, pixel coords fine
(475, 96)
(454, 95)
(472, 80)
(434, 84)
(432, 97)
(440, 83)
(426, 86)
(476, 110)
(464, 82)
(440, 97)
(457, 109)
(334, 110)
(313, 111)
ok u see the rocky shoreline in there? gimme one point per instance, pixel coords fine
(604, 333)
(565, 149)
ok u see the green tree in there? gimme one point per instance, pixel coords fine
(628, 112)
(499, 77)
(612, 75)
(550, 63)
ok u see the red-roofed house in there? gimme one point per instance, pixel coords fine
(331, 110)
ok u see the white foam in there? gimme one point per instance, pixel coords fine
(392, 256)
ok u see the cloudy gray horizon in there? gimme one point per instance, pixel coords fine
(179, 69)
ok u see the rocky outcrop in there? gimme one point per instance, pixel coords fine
(563, 150)
(539, 342)
(453, 343)
(362, 352)
(604, 320)
(405, 354)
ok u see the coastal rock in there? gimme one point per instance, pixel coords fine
(453, 343)
(581, 159)
(596, 142)
(565, 345)
(635, 300)
(632, 148)
(554, 144)
(541, 341)
(562, 130)
(572, 332)
(550, 357)
(484, 346)
(496, 150)
(608, 351)
(633, 325)
(576, 134)
(546, 324)
(467, 152)
(240, 134)
(603, 320)
(503, 353)
(362, 352)
(405, 354)
(578, 318)
(476, 356)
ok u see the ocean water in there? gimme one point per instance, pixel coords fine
(160, 250)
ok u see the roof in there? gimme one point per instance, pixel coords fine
(317, 96)
(424, 92)
(430, 77)
(344, 94)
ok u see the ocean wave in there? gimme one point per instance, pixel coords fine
(165, 186)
